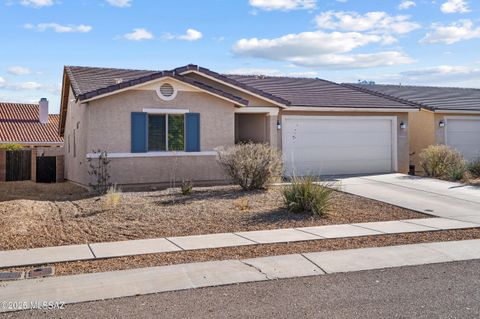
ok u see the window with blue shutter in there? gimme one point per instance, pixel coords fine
(192, 125)
(139, 132)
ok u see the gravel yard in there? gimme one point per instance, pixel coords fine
(40, 215)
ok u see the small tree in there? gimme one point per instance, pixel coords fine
(99, 167)
(11, 147)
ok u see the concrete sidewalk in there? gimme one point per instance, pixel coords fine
(426, 195)
(97, 286)
(39, 256)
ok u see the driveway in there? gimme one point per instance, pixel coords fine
(425, 195)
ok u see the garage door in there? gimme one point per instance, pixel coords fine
(315, 145)
(464, 135)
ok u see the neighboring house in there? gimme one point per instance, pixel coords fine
(29, 125)
(449, 116)
(163, 126)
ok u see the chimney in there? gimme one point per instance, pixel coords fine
(43, 111)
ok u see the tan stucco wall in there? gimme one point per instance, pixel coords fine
(422, 134)
(76, 166)
(402, 134)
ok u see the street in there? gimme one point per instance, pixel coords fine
(450, 290)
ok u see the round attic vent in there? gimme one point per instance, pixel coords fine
(166, 91)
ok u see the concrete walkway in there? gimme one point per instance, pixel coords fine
(40, 256)
(426, 195)
(97, 286)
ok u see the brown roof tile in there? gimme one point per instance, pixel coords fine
(19, 124)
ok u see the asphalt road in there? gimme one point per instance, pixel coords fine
(450, 290)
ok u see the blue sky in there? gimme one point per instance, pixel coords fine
(387, 41)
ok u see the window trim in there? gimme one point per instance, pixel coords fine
(166, 131)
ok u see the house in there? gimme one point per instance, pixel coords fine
(30, 126)
(160, 126)
(448, 116)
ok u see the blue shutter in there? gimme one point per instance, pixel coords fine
(139, 132)
(192, 125)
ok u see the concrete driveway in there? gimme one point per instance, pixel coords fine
(425, 195)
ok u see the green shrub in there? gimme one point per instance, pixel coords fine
(186, 187)
(11, 147)
(474, 168)
(250, 165)
(440, 161)
(307, 195)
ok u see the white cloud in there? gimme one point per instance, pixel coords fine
(449, 34)
(120, 3)
(455, 6)
(406, 4)
(19, 70)
(284, 5)
(41, 27)
(2, 82)
(190, 35)
(36, 3)
(138, 35)
(318, 48)
(29, 86)
(377, 22)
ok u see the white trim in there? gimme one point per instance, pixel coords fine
(393, 119)
(346, 109)
(153, 81)
(446, 118)
(165, 111)
(155, 154)
(456, 112)
(235, 87)
(167, 98)
(272, 111)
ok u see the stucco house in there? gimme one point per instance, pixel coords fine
(159, 126)
(448, 115)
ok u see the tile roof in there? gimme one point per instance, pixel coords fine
(19, 123)
(433, 98)
(89, 82)
(311, 92)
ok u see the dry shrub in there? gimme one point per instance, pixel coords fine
(250, 165)
(112, 198)
(307, 195)
(474, 169)
(440, 161)
(242, 204)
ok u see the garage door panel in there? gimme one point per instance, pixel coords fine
(326, 146)
(341, 153)
(334, 168)
(464, 136)
(341, 139)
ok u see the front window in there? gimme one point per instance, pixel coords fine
(166, 132)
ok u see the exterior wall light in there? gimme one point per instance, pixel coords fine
(279, 126)
(403, 125)
(441, 123)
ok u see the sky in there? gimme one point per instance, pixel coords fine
(416, 42)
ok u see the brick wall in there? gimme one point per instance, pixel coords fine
(34, 165)
(60, 168)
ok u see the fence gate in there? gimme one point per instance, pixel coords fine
(19, 165)
(46, 169)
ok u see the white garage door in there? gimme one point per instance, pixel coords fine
(321, 145)
(464, 135)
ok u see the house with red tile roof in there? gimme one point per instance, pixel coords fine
(29, 125)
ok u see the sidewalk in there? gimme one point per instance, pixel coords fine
(97, 286)
(39, 256)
